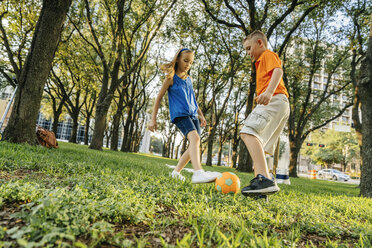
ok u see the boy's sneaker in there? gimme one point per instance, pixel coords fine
(177, 175)
(260, 185)
(201, 176)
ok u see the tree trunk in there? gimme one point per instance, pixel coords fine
(86, 134)
(220, 152)
(245, 160)
(131, 132)
(102, 108)
(210, 147)
(165, 149)
(276, 156)
(22, 121)
(184, 145)
(365, 85)
(75, 125)
(176, 155)
(234, 155)
(126, 135)
(235, 143)
(56, 115)
(115, 131)
(116, 123)
(295, 150)
(172, 147)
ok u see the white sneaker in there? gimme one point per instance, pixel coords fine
(214, 173)
(177, 175)
(201, 176)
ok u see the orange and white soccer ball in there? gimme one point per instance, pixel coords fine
(228, 182)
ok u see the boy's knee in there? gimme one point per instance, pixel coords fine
(244, 136)
(247, 136)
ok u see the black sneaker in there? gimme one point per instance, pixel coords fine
(260, 185)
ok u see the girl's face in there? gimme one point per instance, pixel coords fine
(185, 61)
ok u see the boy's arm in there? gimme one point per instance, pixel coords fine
(266, 96)
(203, 122)
(153, 125)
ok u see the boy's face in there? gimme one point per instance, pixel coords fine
(254, 48)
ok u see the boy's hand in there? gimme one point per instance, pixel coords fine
(152, 126)
(264, 98)
(203, 122)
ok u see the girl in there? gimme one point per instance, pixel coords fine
(184, 112)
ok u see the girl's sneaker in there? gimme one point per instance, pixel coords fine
(201, 176)
(177, 175)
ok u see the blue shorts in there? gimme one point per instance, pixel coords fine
(187, 124)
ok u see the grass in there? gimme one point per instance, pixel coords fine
(77, 197)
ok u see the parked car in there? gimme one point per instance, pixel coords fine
(333, 174)
(215, 161)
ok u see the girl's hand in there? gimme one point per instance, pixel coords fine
(152, 126)
(203, 122)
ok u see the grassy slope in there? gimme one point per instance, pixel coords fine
(77, 196)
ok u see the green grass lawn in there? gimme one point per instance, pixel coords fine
(77, 197)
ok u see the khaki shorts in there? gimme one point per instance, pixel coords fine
(267, 121)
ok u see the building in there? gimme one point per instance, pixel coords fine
(5, 106)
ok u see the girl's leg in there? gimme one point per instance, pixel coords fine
(185, 158)
(194, 149)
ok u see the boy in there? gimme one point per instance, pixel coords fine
(263, 125)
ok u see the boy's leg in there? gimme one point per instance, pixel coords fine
(262, 183)
(257, 153)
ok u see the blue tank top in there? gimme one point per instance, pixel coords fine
(181, 97)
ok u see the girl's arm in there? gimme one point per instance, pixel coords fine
(153, 125)
(203, 122)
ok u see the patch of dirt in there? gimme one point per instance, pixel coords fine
(16, 174)
(5, 216)
(19, 174)
(319, 241)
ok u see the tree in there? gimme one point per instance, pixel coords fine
(20, 19)
(55, 100)
(331, 147)
(316, 76)
(358, 12)
(156, 145)
(21, 125)
(365, 85)
(113, 38)
(87, 112)
(136, 101)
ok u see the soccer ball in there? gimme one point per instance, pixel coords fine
(228, 182)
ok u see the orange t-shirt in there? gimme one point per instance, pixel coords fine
(265, 65)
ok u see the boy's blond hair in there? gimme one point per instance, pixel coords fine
(171, 67)
(257, 34)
